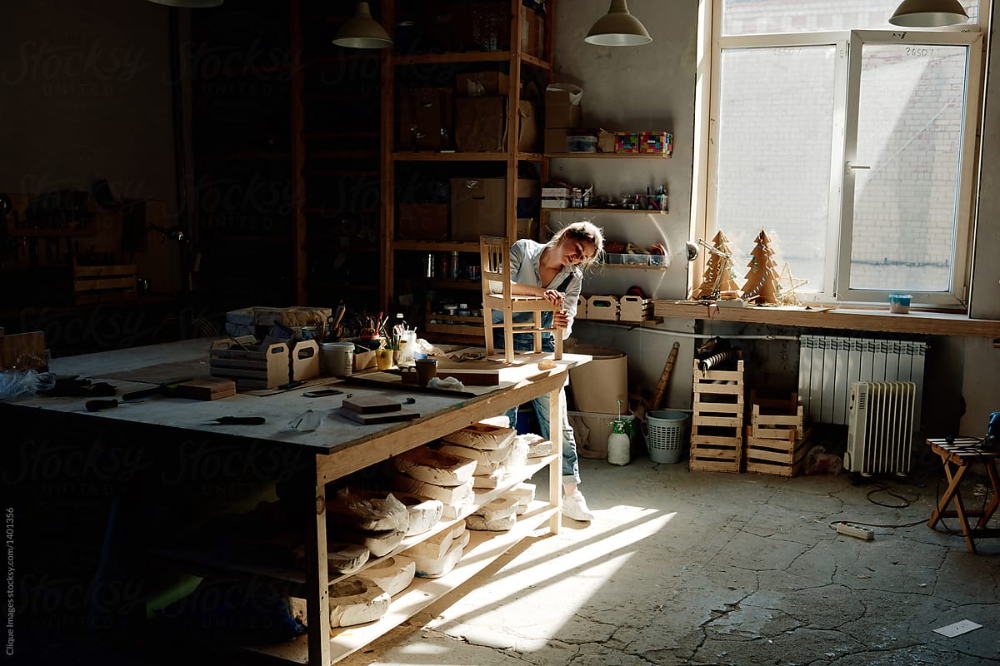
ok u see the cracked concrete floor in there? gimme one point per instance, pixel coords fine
(706, 568)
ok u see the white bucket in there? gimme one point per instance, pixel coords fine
(337, 358)
(665, 438)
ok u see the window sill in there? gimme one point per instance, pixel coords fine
(920, 322)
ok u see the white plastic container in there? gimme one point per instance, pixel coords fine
(337, 358)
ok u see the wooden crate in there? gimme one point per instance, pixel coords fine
(777, 437)
(717, 422)
(251, 369)
(602, 308)
(104, 284)
(634, 308)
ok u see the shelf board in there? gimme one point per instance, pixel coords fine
(446, 283)
(341, 154)
(344, 96)
(614, 211)
(59, 232)
(483, 549)
(339, 135)
(320, 210)
(536, 62)
(435, 58)
(638, 267)
(429, 156)
(434, 246)
(354, 286)
(607, 156)
(338, 173)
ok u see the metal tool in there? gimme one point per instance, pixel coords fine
(321, 393)
(238, 420)
(164, 388)
(333, 323)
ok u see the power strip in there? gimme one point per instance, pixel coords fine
(855, 531)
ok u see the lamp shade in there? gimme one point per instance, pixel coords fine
(189, 4)
(928, 13)
(361, 31)
(618, 28)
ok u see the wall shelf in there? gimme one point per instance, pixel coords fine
(608, 156)
(614, 211)
(433, 246)
(427, 156)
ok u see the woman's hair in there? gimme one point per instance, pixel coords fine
(582, 231)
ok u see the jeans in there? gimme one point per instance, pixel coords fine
(570, 460)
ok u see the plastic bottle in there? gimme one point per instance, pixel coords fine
(453, 272)
(619, 443)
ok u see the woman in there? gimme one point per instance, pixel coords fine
(553, 272)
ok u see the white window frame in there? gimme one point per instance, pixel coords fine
(848, 69)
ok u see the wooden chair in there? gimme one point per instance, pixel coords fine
(494, 254)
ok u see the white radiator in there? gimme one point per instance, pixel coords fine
(828, 365)
(880, 429)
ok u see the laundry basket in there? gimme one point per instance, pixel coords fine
(665, 437)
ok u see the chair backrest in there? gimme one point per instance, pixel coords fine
(494, 255)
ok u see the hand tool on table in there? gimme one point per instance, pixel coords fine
(399, 386)
(333, 323)
(238, 420)
(166, 388)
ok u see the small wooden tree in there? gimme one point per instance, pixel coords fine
(719, 274)
(761, 286)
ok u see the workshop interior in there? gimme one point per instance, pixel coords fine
(316, 313)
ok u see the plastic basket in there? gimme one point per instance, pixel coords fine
(665, 438)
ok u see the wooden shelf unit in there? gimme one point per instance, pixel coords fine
(511, 158)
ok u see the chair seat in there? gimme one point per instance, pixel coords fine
(524, 303)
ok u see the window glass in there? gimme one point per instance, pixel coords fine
(758, 17)
(774, 154)
(910, 135)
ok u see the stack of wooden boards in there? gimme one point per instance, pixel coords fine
(371, 409)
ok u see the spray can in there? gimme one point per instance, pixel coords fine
(453, 271)
(620, 440)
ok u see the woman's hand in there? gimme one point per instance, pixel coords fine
(554, 297)
(561, 319)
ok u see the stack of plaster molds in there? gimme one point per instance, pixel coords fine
(537, 445)
(525, 494)
(378, 523)
(436, 475)
(500, 515)
(439, 554)
(489, 445)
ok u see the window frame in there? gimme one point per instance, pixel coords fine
(848, 69)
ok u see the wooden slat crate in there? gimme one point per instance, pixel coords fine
(717, 423)
(104, 284)
(777, 437)
(250, 368)
(602, 308)
(634, 308)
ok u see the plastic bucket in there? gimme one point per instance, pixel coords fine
(665, 438)
(337, 358)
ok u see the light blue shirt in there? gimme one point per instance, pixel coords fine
(525, 259)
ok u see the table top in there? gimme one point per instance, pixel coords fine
(142, 367)
(962, 450)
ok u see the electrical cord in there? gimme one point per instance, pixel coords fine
(883, 487)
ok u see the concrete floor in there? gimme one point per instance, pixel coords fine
(707, 568)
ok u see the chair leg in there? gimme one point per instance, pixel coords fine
(508, 337)
(537, 335)
(488, 326)
(559, 340)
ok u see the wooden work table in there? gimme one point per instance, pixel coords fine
(336, 448)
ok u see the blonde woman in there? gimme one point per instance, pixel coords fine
(553, 271)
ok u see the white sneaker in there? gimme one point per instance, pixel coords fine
(575, 507)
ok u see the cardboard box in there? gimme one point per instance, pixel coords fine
(605, 141)
(479, 206)
(425, 118)
(555, 139)
(423, 222)
(481, 125)
(561, 115)
(482, 84)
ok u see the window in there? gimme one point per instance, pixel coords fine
(849, 140)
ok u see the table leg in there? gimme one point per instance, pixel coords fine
(991, 471)
(953, 480)
(317, 578)
(556, 417)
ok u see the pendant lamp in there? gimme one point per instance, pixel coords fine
(928, 13)
(618, 28)
(361, 31)
(189, 4)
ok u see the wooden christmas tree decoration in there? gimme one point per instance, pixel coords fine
(719, 274)
(761, 287)
(788, 284)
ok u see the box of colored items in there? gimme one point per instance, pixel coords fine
(644, 142)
